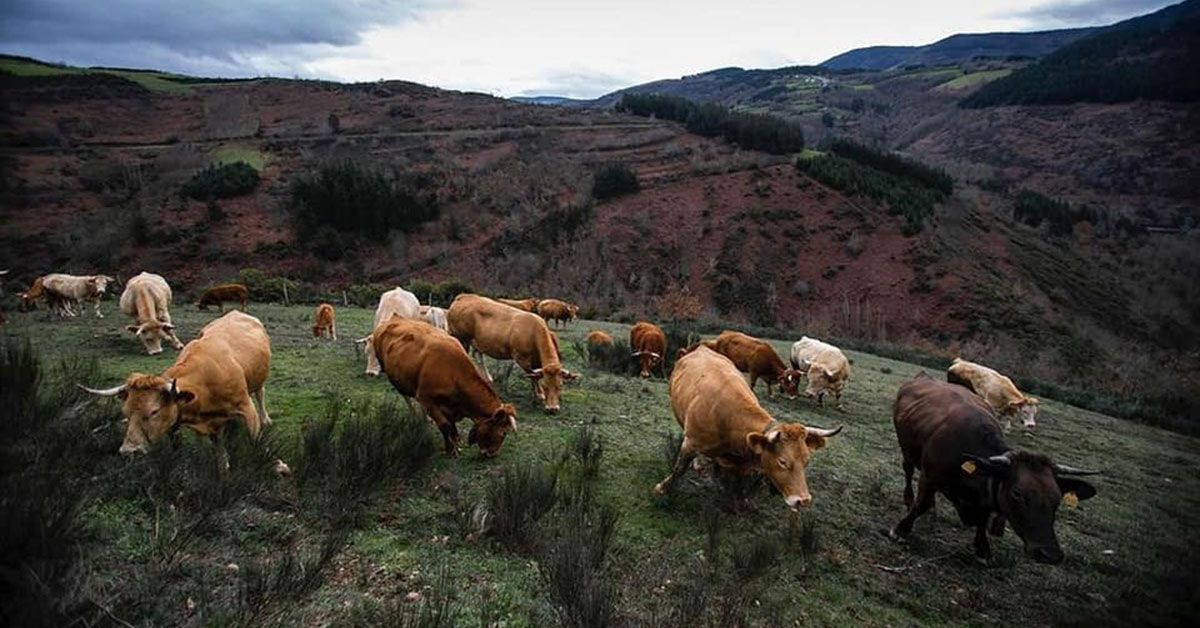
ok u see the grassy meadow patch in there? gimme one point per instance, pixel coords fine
(422, 542)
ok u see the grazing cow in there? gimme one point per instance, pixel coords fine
(325, 322)
(146, 299)
(649, 345)
(62, 291)
(721, 419)
(491, 328)
(55, 302)
(433, 315)
(825, 367)
(210, 384)
(528, 305)
(555, 310)
(997, 390)
(953, 437)
(395, 301)
(756, 358)
(218, 295)
(432, 367)
(596, 338)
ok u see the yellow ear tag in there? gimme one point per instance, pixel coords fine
(969, 467)
(1071, 499)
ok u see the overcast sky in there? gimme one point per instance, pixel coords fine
(505, 47)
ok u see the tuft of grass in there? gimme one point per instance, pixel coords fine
(518, 500)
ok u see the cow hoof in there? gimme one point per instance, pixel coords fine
(895, 536)
(660, 490)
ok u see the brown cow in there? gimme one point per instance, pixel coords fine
(429, 365)
(210, 384)
(218, 295)
(555, 310)
(491, 328)
(722, 419)
(953, 437)
(649, 345)
(325, 322)
(146, 299)
(596, 338)
(758, 359)
(997, 390)
(527, 305)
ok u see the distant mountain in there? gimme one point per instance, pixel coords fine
(559, 101)
(957, 49)
(1152, 57)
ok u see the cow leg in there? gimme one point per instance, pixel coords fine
(249, 413)
(96, 307)
(921, 506)
(997, 527)
(222, 454)
(687, 453)
(372, 360)
(983, 549)
(908, 492)
(448, 428)
(478, 355)
(262, 405)
(333, 330)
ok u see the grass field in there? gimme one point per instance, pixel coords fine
(150, 79)
(974, 79)
(1131, 551)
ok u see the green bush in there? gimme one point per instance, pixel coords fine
(1032, 209)
(749, 130)
(222, 181)
(614, 180)
(904, 195)
(353, 198)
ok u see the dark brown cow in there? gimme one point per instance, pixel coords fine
(649, 345)
(218, 295)
(953, 437)
(429, 365)
(555, 310)
(758, 359)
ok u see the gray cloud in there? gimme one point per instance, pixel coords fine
(577, 84)
(1088, 12)
(203, 36)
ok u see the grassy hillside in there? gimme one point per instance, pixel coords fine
(251, 553)
(960, 48)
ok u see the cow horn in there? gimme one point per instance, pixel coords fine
(1003, 459)
(653, 354)
(362, 341)
(512, 422)
(103, 392)
(820, 432)
(1062, 469)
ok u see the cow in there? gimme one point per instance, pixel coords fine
(953, 437)
(756, 358)
(56, 303)
(998, 391)
(598, 338)
(528, 305)
(555, 310)
(649, 345)
(395, 301)
(324, 322)
(146, 299)
(218, 295)
(722, 420)
(429, 365)
(434, 315)
(823, 365)
(62, 291)
(209, 385)
(491, 328)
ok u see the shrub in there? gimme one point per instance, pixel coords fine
(749, 130)
(358, 199)
(1032, 209)
(221, 181)
(905, 196)
(518, 500)
(441, 294)
(614, 180)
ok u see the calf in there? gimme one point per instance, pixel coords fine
(209, 386)
(954, 439)
(722, 419)
(430, 365)
(998, 391)
(324, 322)
(596, 338)
(649, 345)
(218, 295)
(758, 359)
(555, 310)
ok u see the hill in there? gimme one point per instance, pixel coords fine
(958, 48)
(398, 181)
(1149, 57)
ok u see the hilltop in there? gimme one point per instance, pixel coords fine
(959, 48)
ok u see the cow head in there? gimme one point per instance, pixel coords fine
(573, 310)
(99, 283)
(783, 453)
(789, 382)
(1027, 489)
(649, 360)
(1026, 408)
(489, 433)
(549, 381)
(151, 405)
(820, 381)
(28, 302)
(152, 333)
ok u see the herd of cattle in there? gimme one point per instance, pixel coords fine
(951, 431)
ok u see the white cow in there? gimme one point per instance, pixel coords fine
(824, 365)
(396, 301)
(73, 289)
(435, 316)
(146, 299)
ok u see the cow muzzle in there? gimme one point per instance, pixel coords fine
(1045, 554)
(129, 449)
(795, 502)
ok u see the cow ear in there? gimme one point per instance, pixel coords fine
(1074, 486)
(181, 396)
(133, 329)
(759, 442)
(814, 441)
(975, 465)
